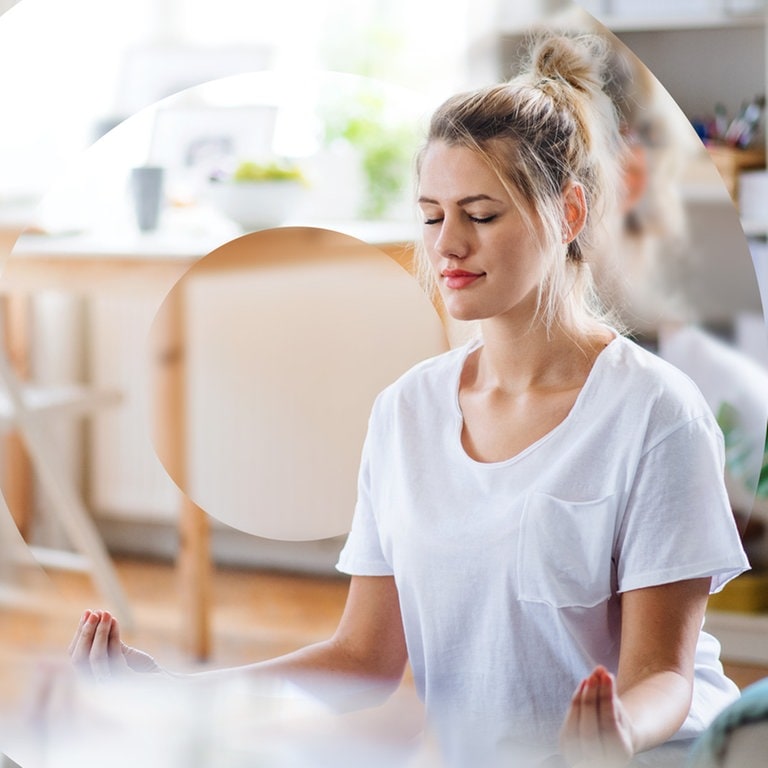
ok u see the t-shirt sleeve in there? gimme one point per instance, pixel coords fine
(362, 553)
(678, 522)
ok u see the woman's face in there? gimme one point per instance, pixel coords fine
(486, 261)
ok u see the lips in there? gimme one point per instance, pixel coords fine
(459, 278)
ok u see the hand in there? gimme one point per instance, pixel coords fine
(597, 731)
(97, 650)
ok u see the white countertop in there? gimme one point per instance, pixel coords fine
(184, 244)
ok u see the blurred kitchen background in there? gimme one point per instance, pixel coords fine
(337, 91)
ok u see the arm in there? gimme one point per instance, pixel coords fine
(367, 650)
(660, 629)
(610, 720)
(366, 654)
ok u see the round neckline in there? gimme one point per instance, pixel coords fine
(475, 344)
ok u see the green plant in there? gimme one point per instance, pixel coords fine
(739, 451)
(386, 146)
(762, 480)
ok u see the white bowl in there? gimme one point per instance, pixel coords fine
(255, 204)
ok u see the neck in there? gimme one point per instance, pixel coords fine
(515, 359)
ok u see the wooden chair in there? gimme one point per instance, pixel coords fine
(29, 411)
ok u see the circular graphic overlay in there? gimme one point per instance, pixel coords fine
(287, 335)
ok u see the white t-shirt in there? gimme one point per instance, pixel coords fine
(726, 375)
(508, 572)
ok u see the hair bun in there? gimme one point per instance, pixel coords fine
(577, 60)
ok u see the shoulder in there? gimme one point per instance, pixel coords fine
(432, 371)
(722, 372)
(428, 382)
(644, 380)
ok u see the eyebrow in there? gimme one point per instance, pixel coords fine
(464, 200)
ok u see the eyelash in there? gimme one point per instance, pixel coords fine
(475, 219)
(483, 219)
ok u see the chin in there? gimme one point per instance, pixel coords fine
(466, 315)
(459, 311)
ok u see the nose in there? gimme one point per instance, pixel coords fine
(452, 241)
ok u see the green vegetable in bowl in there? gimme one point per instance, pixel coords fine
(249, 170)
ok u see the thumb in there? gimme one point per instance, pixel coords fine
(139, 661)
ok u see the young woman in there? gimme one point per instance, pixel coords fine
(541, 511)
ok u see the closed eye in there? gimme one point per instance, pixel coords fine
(482, 219)
(474, 219)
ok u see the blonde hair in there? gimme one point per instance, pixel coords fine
(635, 267)
(549, 127)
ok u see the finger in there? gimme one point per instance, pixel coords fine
(114, 645)
(615, 738)
(607, 704)
(101, 635)
(604, 726)
(589, 730)
(81, 651)
(99, 657)
(569, 733)
(78, 631)
(571, 723)
(139, 661)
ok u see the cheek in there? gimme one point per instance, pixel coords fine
(523, 259)
(429, 234)
(428, 240)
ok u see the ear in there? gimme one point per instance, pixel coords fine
(635, 176)
(575, 210)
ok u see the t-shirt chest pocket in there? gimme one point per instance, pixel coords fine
(564, 550)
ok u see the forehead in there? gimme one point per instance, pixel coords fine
(450, 172)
